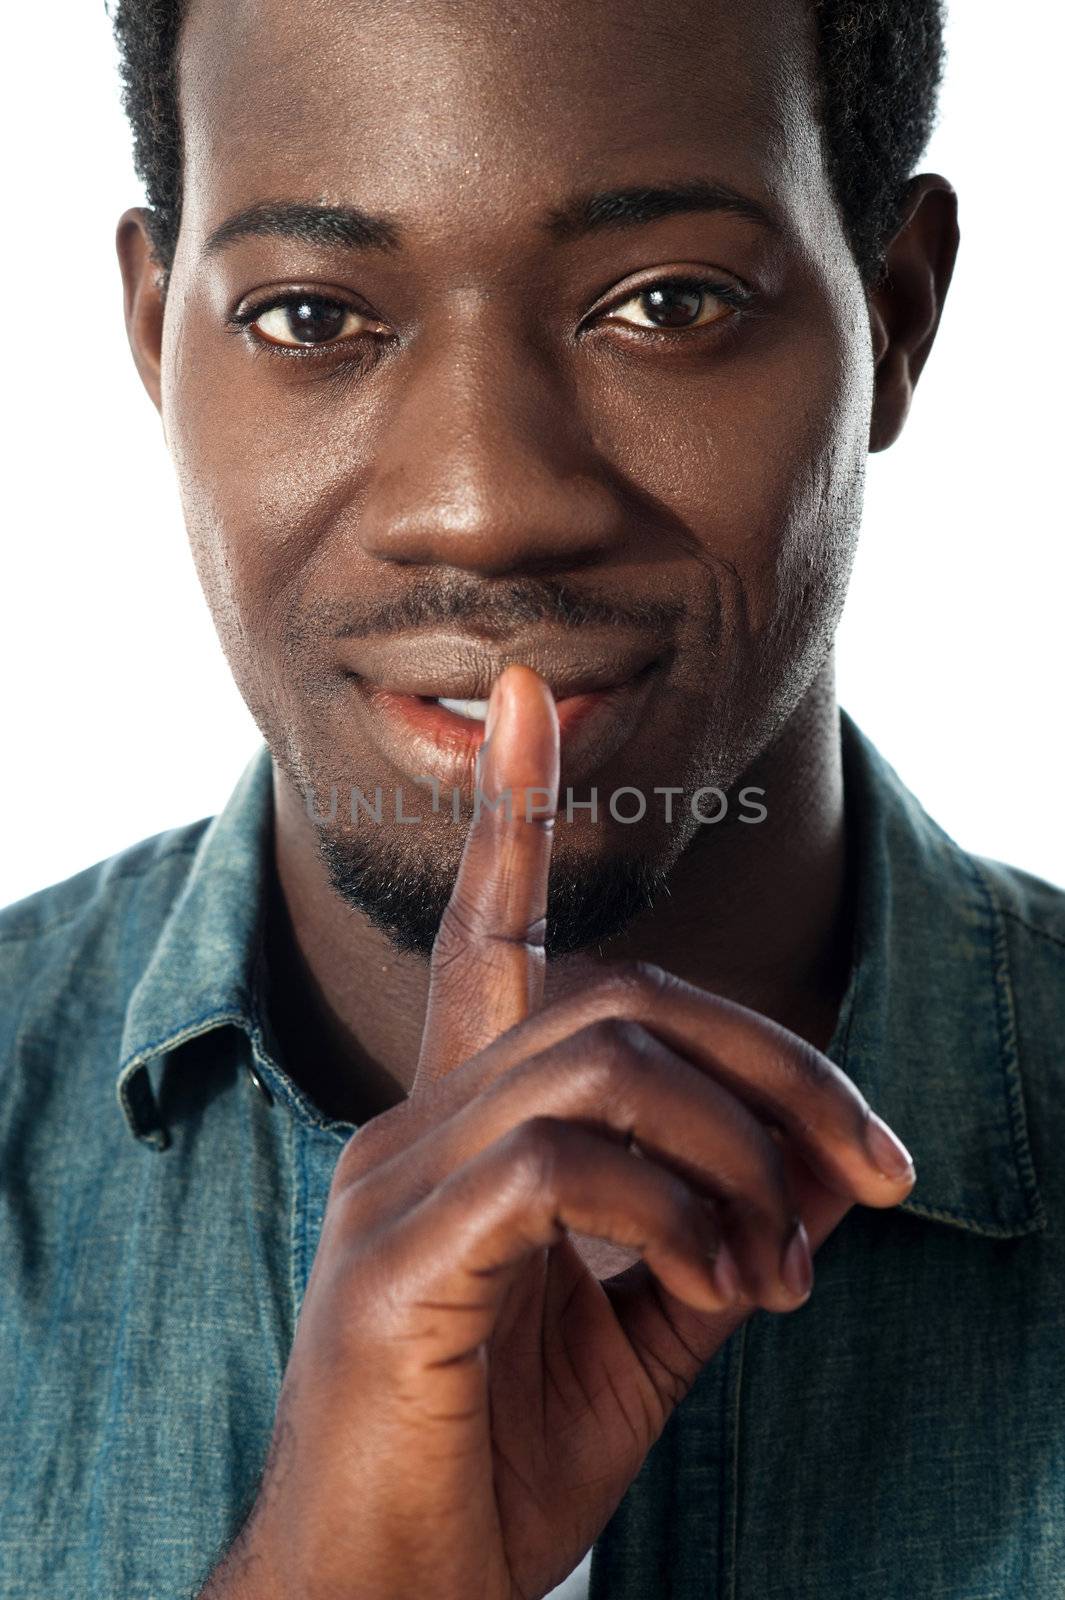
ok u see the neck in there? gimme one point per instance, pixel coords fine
(758, 913)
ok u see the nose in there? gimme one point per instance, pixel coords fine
(484, 460)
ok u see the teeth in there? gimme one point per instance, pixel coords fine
(477, 710)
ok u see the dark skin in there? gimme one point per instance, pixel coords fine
(354, 1057)
(320, 461)
(719, 469)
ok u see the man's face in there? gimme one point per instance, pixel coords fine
(502, 440)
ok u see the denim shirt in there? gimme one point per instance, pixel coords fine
(901, 1436)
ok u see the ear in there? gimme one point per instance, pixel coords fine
(144, 298)
(905, 307)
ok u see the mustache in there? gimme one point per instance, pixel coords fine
(498, 607)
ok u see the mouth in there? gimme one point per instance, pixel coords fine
(459, 719)
(438, 736)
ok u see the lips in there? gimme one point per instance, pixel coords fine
(598, 698)
(457, 667)
(425, 715)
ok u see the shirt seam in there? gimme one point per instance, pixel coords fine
(1013, 1074)
(1030, 927)
(295, 1150)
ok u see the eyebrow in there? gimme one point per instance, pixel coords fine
(633, 207)
(590, 212)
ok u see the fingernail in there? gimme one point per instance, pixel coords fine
(796, 1267)
(890, 1155)
(726, 1277)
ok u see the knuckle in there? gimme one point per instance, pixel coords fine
(612, 1051)
(692, 1213)
(455, 932)
(686, 1217)
(811, 1089)
(814, 1070)
(375, 1143)
(781, 1201)
(607, 1038)
(827, 1108)
(769, 1161)
(633, 984)
(356, 1160)
(465, 925)
(368, 1146)
(534, 1151)
(767, 1196)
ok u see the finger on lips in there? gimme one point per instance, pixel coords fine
(639, 1054)
(486, 972)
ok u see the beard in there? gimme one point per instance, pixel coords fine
(404, 892)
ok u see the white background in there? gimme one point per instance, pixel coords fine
(120, 718)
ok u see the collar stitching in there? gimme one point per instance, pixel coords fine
(1032, 927)
(135, 1094)
(1018, 1123)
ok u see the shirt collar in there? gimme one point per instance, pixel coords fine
(204, 971)
(926, 1029)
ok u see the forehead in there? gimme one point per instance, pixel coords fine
(488, 107)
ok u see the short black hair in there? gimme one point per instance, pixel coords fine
(880, 66)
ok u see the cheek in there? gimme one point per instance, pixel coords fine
(784, 498)
(274, 450)
(263, 485)
(809, 561)
(761, 465)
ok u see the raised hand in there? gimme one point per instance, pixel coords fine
(466, 1402)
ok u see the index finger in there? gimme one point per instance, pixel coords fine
(486, 972)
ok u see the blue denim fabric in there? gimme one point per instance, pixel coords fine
(900, 1437)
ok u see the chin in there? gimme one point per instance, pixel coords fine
(402, 888)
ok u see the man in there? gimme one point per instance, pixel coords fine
(484, 1088)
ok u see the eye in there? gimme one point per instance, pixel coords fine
(676, 304)
(304, 320)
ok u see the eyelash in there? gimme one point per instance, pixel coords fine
(729, 294)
